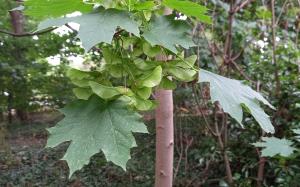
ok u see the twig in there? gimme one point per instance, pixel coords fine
(71, 28)
(26, 33)
(180, 153)
(188, 145)
(262, 160)
(277, 89)
(221, 144)
(202, 114)
(240, 70)
(210, 46)
(225, 130)
(261, 168)
(228, 41)
(227, 54)
(281, 11)
(242, 5)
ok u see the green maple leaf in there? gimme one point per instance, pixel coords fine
(95, 125)
(273, 146)
(96, 27)
(189, 8)
(182, 69)
(151, 79)
(297, 132)
(233, 95)
(54, 8)
(82, 93)
(167, 32)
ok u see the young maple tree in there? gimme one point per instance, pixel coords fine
(131, 35)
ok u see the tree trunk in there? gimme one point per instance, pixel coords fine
(260, 174)
(164, 134)
(164, 139)
(17, 22)
(9, 108)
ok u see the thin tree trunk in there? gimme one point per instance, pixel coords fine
(276, 74)
(262, 160)
(261, 169)
(221, 142)
(17, 22)
(9, 107)
(164, 133)
(164, 139)
(1, 116)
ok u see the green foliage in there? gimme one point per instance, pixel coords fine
(182, 69)
(167, 32)
(82, 93)
(95, 125)
(120, 63)
(273, 146)
(167, 84)
(146, 5)
(297, 132)
(80, 78)
(151, 79)
(189, 8)
(130, 58)
(96, 27)
(105, 92)
(28, 78)
(54, 8)
(126, 68)
(233, 95)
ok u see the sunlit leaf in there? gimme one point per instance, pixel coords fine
(104, 92)
(182, 69)
(147, 5)
(152, 78)
(82, 93)
(144, 92)
(167, 84)
(40, 9)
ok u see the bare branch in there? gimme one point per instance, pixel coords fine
(25, 34)
(240, 70)
(276, 74)
(281, 11)
(242, 5)
(71, 28)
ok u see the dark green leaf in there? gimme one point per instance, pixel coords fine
(232, 94)
(167, 32)
(98, 26)
(189, 8)
(95, 125)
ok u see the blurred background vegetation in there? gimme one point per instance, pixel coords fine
(33, 84)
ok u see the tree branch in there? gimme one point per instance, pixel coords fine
(240, 70)
(25, 34)
(242, 5)
(221, 143)
(276, 74)
(70, 27)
